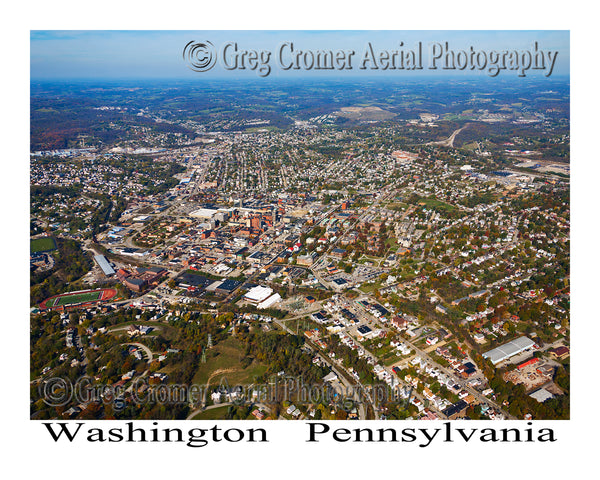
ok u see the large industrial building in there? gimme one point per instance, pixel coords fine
(104, 265)
(509, 349)
(207, 213)
(272, 300)
(262, 297)
(258, 294)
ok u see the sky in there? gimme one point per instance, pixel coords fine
(143, 54)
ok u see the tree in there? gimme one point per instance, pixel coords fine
(341, 414)
(74, 319)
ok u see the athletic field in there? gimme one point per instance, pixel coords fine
(44, 244)
(78, 298)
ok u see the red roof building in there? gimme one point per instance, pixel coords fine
(527, 363)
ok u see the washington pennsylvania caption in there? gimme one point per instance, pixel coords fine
(316, 432)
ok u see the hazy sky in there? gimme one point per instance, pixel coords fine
(106, 54)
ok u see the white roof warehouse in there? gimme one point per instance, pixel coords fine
(104, 265)
(258, 294)
(509, 349)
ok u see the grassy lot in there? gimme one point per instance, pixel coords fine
(471, 146)
(269, 128)
(367, 258)
(440, 207)
(385, 352)
(391, 358)
(392, 245)
(223, 361)
(44, 244)
(167, 331)
(398, 206)
(370, 287)
(212, 414)
(218, 413)
(303, 324)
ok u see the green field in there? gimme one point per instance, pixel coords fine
(44, 244)
(223, 361)
(397, 206)
(76, 298)
(438, 206)
(269, 128)
(370, 287)
(213, 414)
(368, 258)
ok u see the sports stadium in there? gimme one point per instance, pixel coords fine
(82, 298)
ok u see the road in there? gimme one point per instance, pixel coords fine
(146, 350)
(462, 383)
(343, 376)
(398, 381)
(430, 360)
(449, 142)
(323, 258)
